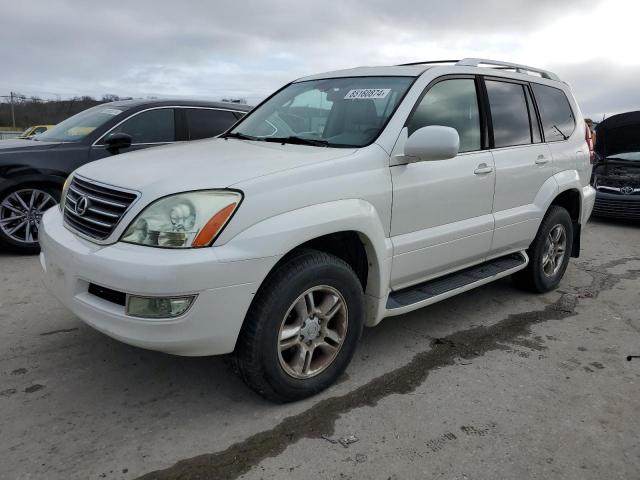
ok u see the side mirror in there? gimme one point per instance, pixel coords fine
(114, 143)
(432, 143)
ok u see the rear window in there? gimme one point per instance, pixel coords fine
(558, 121)
(206, 123)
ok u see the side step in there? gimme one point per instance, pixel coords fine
(433, 291)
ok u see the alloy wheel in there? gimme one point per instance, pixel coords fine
(312, 332)
(21, 212)
(555, 248)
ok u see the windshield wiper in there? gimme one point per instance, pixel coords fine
(298, 141)
(564, 137)
(240, 136)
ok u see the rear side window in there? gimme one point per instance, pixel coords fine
(558, 121)
(206, 123)
(509, 114)
(152, 126)
(451, 103)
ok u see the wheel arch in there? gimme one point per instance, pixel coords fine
(569, 197)
(32, 180)
(350, 229)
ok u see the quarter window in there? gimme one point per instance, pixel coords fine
(152, 126)
(509, 114)
(206, 123)
(451, 103)
(558, 120)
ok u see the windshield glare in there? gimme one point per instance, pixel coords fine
(344, 112)
(75, 128)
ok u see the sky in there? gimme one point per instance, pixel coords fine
(212, 49)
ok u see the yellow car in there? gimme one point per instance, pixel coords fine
(34, 130)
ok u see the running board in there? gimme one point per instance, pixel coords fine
(432, 291)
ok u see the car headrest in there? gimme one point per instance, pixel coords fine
(361, 112)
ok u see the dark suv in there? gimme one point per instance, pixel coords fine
(32, 172)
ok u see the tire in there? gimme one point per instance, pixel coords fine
(24, 205)
(270, 355)
(540, 276)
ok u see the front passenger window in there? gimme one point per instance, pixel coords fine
(451, 103)
(152, 126)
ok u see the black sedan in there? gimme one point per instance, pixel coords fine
(616, 174)
(32, 172)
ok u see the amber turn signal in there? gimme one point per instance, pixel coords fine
(213, 226)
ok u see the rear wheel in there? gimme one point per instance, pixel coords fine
(302, 328)
(549, 253)
(21, 209)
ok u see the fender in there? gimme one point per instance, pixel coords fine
(554, 186)
(56, 180)
(278, 235)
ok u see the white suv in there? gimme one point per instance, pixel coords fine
(344, 198)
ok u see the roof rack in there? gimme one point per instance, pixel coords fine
(476, 62)
(427, 63)
(497, 64)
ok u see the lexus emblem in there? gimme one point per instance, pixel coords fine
(82, 205)
(627, 190)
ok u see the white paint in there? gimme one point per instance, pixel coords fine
(416, 220)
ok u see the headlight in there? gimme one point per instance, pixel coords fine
(65, 189)
(184, 220)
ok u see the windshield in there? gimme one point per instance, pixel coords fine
(335, 112)
(75, 128)
(629, 156)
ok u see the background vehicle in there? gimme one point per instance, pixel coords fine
(32, 173)
(35, 130)
(616, 175)
(344, 198)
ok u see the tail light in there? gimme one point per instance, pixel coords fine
(589, 138)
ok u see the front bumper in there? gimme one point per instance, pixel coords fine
(615, 205)
(224, 288)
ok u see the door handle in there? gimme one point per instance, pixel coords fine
(482, 169)
(541, 160)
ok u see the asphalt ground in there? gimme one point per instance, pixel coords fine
(494, 383)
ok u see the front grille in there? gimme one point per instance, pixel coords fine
(618, 190)
(618, 208)
(94, 209)
(113, 296)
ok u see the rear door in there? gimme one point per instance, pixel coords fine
(523, 163)
(148, 128)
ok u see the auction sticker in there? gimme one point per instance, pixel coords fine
(367, 93)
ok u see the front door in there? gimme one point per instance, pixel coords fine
(442, 210)
(148, 128)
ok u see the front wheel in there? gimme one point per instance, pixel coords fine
(549, 253)
(21, 209)
(302, 328)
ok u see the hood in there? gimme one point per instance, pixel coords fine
(618, 134)
(211, 163)
(23, 145)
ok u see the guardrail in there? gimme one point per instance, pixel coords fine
(7, 134)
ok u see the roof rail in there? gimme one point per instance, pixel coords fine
(426, 63)
(476, 62)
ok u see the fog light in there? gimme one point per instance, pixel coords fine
(158, 307)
